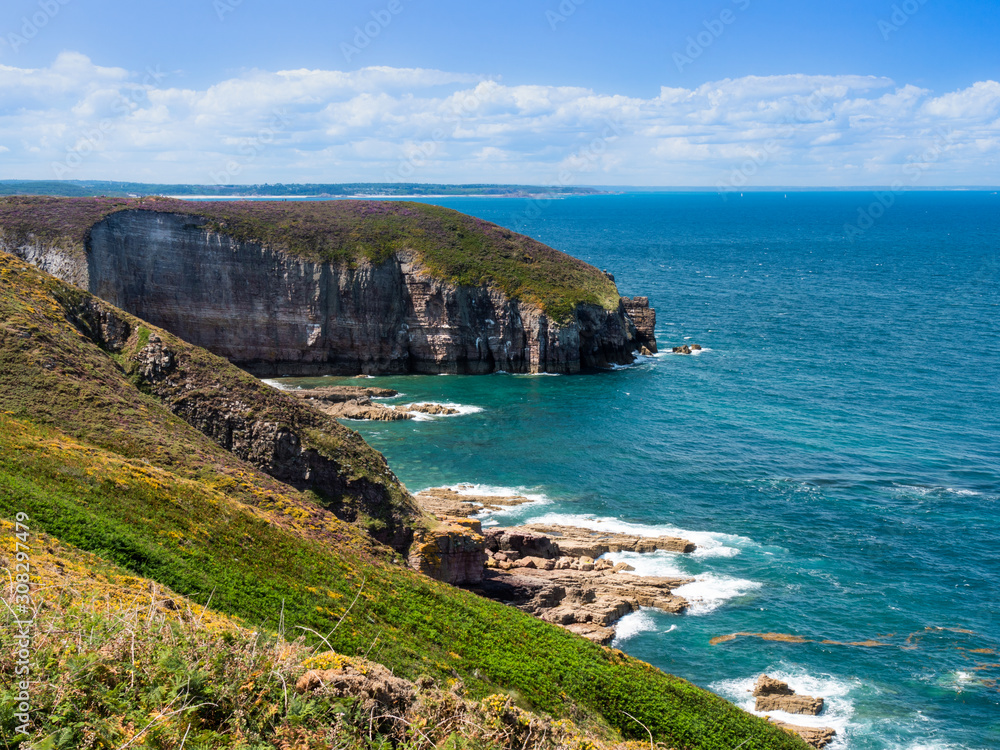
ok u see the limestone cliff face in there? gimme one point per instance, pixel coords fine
(276, 314)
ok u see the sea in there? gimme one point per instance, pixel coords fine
(833, 450)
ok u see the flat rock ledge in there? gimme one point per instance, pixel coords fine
(553, 572)
(355, 402)
(775, 695)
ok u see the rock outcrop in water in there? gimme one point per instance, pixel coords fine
(277, 312)
(550, 571)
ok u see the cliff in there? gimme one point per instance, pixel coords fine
(343, 288)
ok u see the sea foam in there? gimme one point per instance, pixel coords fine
(709, 544)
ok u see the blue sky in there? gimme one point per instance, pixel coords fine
(731, 93)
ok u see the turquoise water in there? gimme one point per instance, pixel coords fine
(834, 450)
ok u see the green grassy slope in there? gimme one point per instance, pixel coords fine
(100, 465)
(452, 246)
(118, 648)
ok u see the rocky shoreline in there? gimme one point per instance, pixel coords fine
(557, 574)
(552, 572)
(355, 402)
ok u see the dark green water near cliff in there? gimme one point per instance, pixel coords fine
(834, 451)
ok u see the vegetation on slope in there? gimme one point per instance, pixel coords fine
(69, 359)
(117, 649)
(99, 465)
(452, 246)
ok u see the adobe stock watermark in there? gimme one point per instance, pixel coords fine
(741, 176)
(32, 25)
(93, 139)
(714, 28)
(224, 7)
(365, 35)
(583, 159)
(916, 167)
(22, 624)
(562, 14)
(901, 14)
(252, 148)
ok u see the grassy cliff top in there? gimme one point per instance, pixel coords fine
(452, 246)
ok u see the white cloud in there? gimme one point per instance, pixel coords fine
(75, 119)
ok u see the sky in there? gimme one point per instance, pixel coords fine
(724, 94)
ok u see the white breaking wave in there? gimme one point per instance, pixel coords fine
(640, 621)
(708, 592)
(705, 594)
(709, 544)
(462, 409)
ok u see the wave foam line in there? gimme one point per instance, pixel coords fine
(709, 544)
(462, 409)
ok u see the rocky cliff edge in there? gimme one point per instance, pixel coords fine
(339, 287)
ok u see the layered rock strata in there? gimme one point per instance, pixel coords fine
(452, 552)
(352, 402)
(775, 695)
(644, 318)
(274, 313)
(551, 571)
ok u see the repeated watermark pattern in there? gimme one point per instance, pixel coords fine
(901, 14)
(714, 28)
(915, 168)
(93, 140)
(251, 148)
(562, 14)
(364, 35)
(32, 25)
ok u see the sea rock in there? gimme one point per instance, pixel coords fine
(436, 409)
(576, 542)
(446, 502)
(767, 685)
(347, 402)
(792, 704)
(775, 695)
(644, 318)
(553, 572)
(818, 737)
(685, 349)
(301, 316)
(587, 601)
(341, 393)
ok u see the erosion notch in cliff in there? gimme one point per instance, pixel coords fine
(335, 286)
